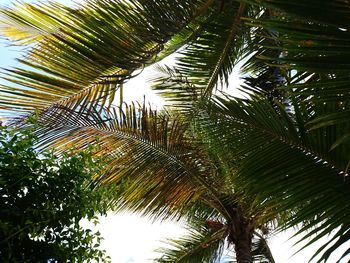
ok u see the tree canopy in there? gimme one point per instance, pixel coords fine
(42, 200)
(281, 152)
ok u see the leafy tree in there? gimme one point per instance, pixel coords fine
(43, 198)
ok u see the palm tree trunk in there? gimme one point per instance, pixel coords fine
(243, 248)
(241, 236)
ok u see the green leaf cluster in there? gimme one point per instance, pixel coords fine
(43, 198)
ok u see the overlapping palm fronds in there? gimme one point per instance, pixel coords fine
(286, 146)
(284, 164)
(308, 48)
(162, 168)
(202, 244)
(80, 56)
(208, 240)
(177, 90)
(27, 24)
(208, 59)
(314, 49)
(145, 151)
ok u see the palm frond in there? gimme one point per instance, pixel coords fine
(25, 23)
(330, 12)
(160, 171)
(190, 32)
(285, 165)
(92, 50)
(176, 89)
(210, 58)
(312, 52)
(261, 251)
(202, 244)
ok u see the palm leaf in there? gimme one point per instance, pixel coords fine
(91, 51)
(27, 24)
(331, 12)
(312, 51)
(283, 164)
(210, 58)
(148, 153)
(181, 94)
(202, 244)
(261, 251)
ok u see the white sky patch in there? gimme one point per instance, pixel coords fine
(138, 89)
(131, 238)
(283, 250)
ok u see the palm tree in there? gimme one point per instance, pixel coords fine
(293, 128)
(205, 242)
(163, 168)
(85, 105)
(290, 138)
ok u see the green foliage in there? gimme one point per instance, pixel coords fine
(201, 244)
(82, 55)
(166, 168)
(43, 199)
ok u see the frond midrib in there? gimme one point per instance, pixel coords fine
(213, 78)
(289, 142)
(171, 156)
(219, 235)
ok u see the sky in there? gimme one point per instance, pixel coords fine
(129, 238)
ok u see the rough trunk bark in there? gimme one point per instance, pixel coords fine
(241, 236)
(243, 248)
